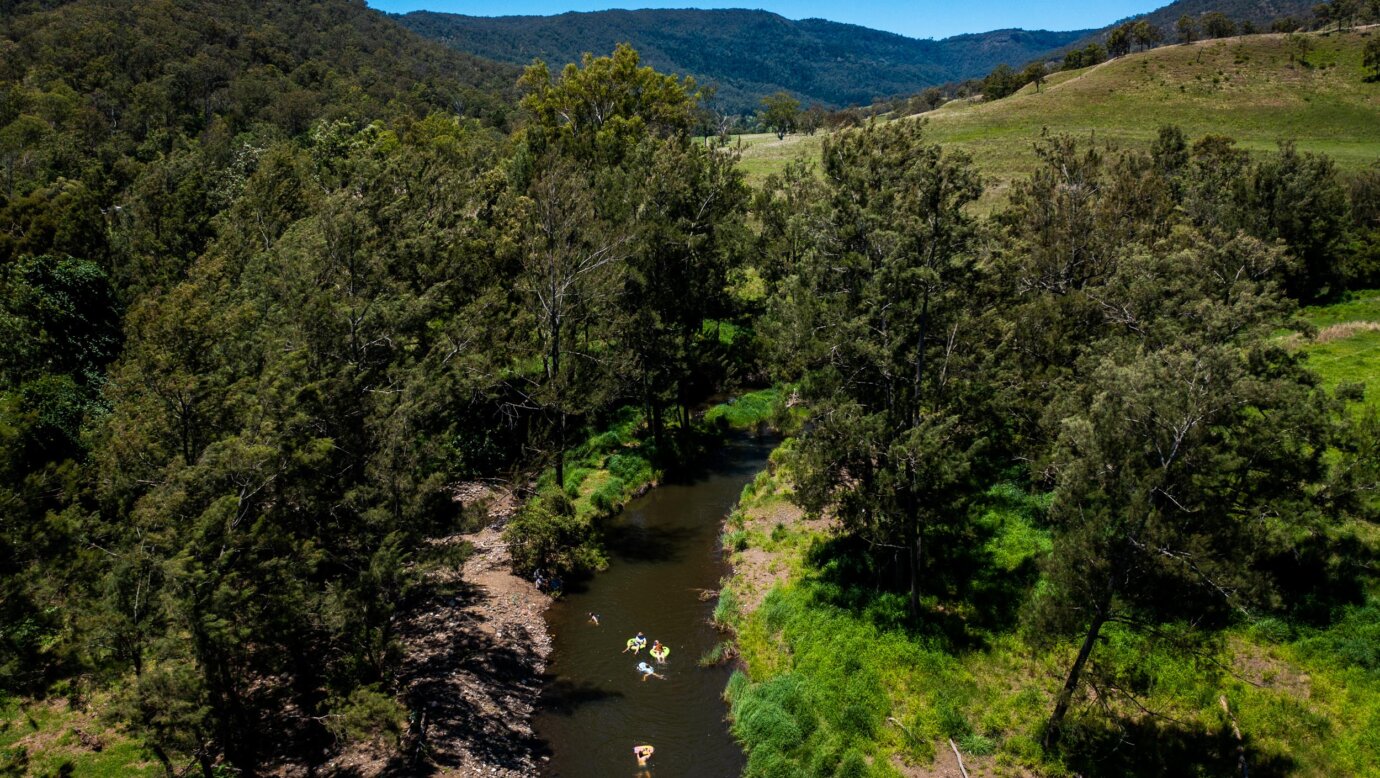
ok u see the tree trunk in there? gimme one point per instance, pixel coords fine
(915, 549)
(920, 355)
(560, 450)
(1056, 721)
(163, 759)
(554, 378)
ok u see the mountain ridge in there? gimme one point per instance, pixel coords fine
(746, 54)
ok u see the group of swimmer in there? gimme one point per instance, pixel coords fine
(659, 652)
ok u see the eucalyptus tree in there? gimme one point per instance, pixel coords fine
(572, 264)
(876, 318)
(1191, 451)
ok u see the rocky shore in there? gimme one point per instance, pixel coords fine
(475, 654)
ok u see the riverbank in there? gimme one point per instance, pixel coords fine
(664, 555)
(475, 651)
(833, 670)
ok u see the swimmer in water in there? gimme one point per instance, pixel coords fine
(594, 618)
(643, 753)
(636, 644)
(648, 670)
(660, 652)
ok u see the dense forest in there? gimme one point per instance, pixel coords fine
(747, 55)
(277, 278)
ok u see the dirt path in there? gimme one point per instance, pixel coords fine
(475, 651)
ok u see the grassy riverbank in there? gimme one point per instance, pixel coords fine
(559, 527)
(837, 679)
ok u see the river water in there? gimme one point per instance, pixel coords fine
(664, 552)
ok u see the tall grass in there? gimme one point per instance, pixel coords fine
(838, 679)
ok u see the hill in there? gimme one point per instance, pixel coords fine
(1258, 12)
(747, 54)
(1245, 87)
(108, 106)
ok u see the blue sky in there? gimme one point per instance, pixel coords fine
(916, 18)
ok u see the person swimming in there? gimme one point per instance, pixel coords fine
(648, 670)
(636, 644)
(594, 618)
(642, 753)
(660, 652)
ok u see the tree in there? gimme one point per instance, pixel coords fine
(601, 108)
(1285, 24)
(1145, 34)
(1119, 41)
(1090, 55)
(1001, 82)
(1371, 59)
(688, 236)
(1034, 73)
(875, 318)
(1127, 505)
(572, 259)
(1188, 456)
(1187, 28)
(1343, 12)
(1299, 199)
(812, 119)
(1217, 25)
(780, 113)
(1322, 13)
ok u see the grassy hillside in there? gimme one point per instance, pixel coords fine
(1347, 347)
(746, 54)
(1257, 12)
(1243, 87)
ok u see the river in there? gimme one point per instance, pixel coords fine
(664, 550)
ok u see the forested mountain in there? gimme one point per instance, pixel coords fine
(136, 113)
(746, 54)
(1257, 12)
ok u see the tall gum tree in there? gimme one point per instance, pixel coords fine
(876, 315)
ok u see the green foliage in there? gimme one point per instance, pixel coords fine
(780, 113)
(747, 411)
(1371, 60)
(726, 609)
(869, 328)
(1352, 641)
(1001, 82)
(548, 534)
(368, 715)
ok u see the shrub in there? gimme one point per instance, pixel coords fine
(631, 468)
(722, 652)
(977, 745)
(368, 715)
(853, 765)
(1272, 630)
(609, 496)
(548, 534)
(763, 724)
(573, 479)
(726, 610)
(768, 763)
(747, 411)
(738, 686)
